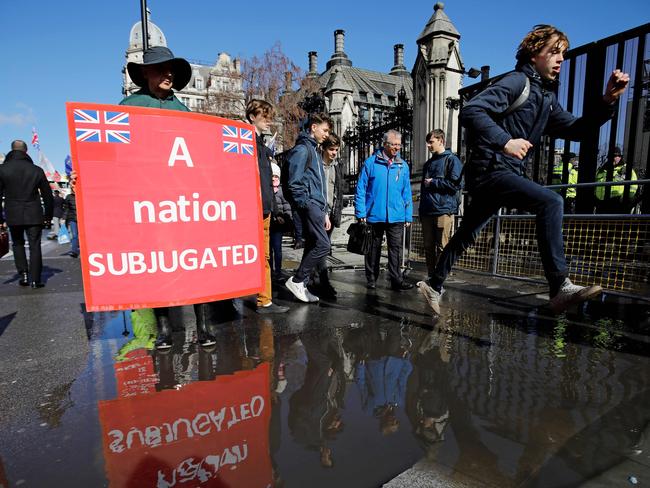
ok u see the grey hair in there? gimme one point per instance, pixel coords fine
(391, 132)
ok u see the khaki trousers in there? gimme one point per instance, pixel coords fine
(436, 231)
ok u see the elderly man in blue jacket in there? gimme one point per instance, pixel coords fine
(383, 199)
(501, 140)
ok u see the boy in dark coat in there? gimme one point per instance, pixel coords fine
(500, 148)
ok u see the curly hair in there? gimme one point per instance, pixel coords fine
(536, 39)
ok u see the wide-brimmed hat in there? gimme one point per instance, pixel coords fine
(157, 55)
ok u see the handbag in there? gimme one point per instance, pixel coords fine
(4, 242)
(360, 241)
(64, 236)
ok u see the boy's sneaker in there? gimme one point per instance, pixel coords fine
(432, 296)
(571, 294)
(300, 291)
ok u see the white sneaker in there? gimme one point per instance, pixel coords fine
(571, 294)
(432, 296)
(312, 298)
(300, 291)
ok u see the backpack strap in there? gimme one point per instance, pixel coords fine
(521, 99)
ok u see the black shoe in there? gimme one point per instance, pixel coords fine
(404, 285)
(371, 285)
(37, 284)
(24, 279)
(272, 308)
(73, 254)
(164, 339)
(327, 290)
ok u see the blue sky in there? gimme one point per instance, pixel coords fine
(53, 52)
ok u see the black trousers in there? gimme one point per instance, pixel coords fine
(394, 240)
(35, 257)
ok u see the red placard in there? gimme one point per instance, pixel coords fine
(206, 434)
(169, 206)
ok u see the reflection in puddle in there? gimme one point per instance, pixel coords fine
(507, 399)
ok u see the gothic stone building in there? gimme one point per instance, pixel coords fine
(214, 89)
(354, 95)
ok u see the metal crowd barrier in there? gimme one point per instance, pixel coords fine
(608, 250)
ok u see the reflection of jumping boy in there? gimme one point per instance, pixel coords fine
(500, 147)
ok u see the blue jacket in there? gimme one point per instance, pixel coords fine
(307, 185)
(441, 196)
(383, 193)
(540, 114)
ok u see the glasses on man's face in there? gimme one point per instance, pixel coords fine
(394, 144)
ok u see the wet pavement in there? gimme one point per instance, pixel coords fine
(362, 391)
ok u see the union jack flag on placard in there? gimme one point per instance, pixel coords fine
(101, 126)
(237, 140)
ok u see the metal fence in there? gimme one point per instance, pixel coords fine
(612, 251)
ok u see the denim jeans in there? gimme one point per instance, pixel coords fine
(317, 243)
(276, 251)
(74, 236)
(505, 189)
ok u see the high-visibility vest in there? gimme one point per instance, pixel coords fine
(557, 180)
(617, 175)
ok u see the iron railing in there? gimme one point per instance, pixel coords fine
(611, 250)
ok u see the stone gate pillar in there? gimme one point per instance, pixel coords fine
(437, 77)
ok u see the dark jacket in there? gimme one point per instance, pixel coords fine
(281, 208)
(337, 207)
(266, 175)
(307, 185)
(540, 114)
(23, 184)
(441, 197)
(143, 98)
(58, 206)
(70, 208)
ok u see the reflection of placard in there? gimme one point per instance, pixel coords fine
(208, 433)
(135, 375)
(169, 206)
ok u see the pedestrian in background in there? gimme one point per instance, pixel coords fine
(334, 179)
(383, 199)
(69, 219)
(439, 197)
(260, 114)
(56, 215)
(308, 187)
(23, 185)
(280, 223)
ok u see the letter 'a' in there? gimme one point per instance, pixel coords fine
(180, 153)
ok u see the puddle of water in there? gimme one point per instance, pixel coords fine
(507, 399)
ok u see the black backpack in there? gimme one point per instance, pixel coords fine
(284, 175)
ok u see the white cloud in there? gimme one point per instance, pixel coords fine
(24, 116)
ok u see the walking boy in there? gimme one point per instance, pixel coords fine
(308, 190)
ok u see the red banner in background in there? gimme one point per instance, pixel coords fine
(169, 206)
(207, 434)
